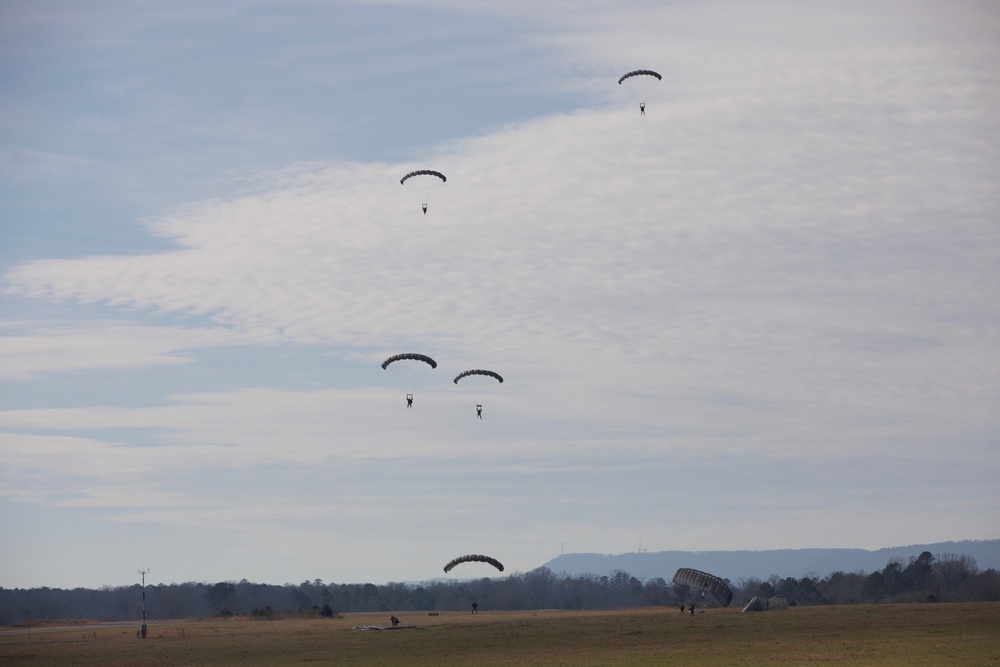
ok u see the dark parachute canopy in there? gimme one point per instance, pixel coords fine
(424, 172)
(409, 355)
(473, 558)
(640, 72)
(760, 604)
(776, 602)
(477, 371)
(709, 582)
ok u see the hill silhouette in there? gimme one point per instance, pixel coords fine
(734, 565)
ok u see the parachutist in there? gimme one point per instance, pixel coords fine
(479, 411)
(422, 182)
(642, 78)
(404, 368)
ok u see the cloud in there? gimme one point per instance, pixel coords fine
(33, 349)
(728, 239)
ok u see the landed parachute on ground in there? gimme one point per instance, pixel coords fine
(705, 581)
(410, 356)
(473, 558)
(640, 72)
(761, 604)
(478, 371)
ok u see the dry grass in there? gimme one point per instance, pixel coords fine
(861, 635)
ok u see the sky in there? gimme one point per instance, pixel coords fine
(763, 315)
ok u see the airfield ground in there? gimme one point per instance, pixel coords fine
(914, 634)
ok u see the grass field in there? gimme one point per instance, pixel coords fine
(915, 634)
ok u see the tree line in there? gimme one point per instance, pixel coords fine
(924, 578)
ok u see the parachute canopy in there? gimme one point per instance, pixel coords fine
(709, 582)
(423, 172)
(640, 72)
(760, 604)
(409, 355)
(473, 558)
(477, 371)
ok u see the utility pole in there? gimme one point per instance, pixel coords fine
(142, 632)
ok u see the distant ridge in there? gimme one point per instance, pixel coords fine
(797, 563)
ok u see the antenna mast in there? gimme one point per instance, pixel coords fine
(142, 633)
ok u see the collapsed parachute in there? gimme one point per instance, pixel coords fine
(640, 72)
(424, 172)
(709, 582)
(412, 356)
(477, 371)
(760, 604)
(473, 558)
